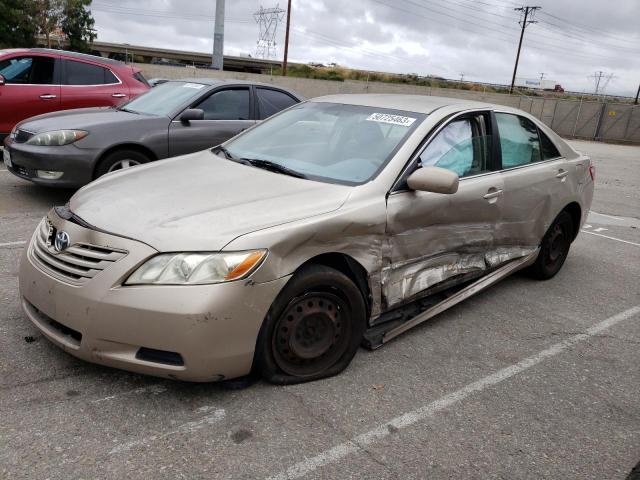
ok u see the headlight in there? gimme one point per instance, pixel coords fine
(57, 137)
(196, 268)
(12, 135)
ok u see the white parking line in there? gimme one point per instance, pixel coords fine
(591, 212)
(611, 238)
(12, 244)
(152, 389)
(185, 428)
(359, 443)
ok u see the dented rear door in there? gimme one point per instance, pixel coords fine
(538, 182)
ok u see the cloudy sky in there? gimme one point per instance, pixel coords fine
(572, 40)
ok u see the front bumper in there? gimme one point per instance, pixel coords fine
(211, 329)
(76, 163)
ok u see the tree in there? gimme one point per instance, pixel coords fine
(48, 16)
(77, 24)
(17, 28)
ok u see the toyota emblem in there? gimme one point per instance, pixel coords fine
(62, 241)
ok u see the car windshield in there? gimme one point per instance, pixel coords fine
(164, 99)
(339, 143)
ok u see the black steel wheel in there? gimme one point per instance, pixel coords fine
(554, 248)
(313, 329)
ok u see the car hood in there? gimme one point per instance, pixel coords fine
(199, 202)
(79, 118)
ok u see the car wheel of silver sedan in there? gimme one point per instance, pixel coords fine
(554, 248)
(120, 160)
(313, 328)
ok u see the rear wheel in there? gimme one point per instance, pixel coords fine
(554, 248)
(120, 160)
(313, 328)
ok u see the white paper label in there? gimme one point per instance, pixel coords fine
(392, 119)
(197, 86)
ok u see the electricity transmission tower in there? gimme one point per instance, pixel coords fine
(528, 14)
(600, 85)
(268, 20)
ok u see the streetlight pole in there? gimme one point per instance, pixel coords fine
(218, 37)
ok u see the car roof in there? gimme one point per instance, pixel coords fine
(218, 81)
(65, 53)
(410, 103)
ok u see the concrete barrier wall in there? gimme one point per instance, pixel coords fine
(570, 118)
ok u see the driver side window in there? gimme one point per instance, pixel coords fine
(229, 104)
(461, 147)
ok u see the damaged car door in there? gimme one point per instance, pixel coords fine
(538, 180)
(436, 239)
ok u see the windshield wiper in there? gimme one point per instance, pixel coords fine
(271, 166)
(226, 152)
(122, 109)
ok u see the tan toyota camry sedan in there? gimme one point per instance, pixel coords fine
(342, 221)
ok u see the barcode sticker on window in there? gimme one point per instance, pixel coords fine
(392, 119)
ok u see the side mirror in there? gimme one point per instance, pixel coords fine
(433, 179)
(192, 114)
(2, 80)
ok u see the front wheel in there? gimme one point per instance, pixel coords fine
(554, 248)
(313, 328)
(120, 160)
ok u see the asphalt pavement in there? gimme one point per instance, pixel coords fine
(526, 380)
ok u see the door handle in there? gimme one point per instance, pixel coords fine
(118, 95)
(492, 194)
(562, 173)
(48, 96)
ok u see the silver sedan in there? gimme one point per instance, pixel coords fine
(341, 221)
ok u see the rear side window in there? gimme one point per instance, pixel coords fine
(519, 140)
(80, 73)
(140, 77)
(230, 104)
(28, 70)
(549, 150)
(272, 101)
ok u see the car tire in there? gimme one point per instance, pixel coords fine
(554, 248)
(120, 159)
(313, 328)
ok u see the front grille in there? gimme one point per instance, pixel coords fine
(77, 264)
(62, 331)
(22, 136)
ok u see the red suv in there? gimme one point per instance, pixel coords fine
(38, 80)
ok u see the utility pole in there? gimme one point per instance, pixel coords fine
(637, 95)
(462, 77)
(529, 12)
(218, 37)
(286, 41)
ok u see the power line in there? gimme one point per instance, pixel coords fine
(526, 21)
(586, 28)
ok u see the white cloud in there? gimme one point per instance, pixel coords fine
(441, 37)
